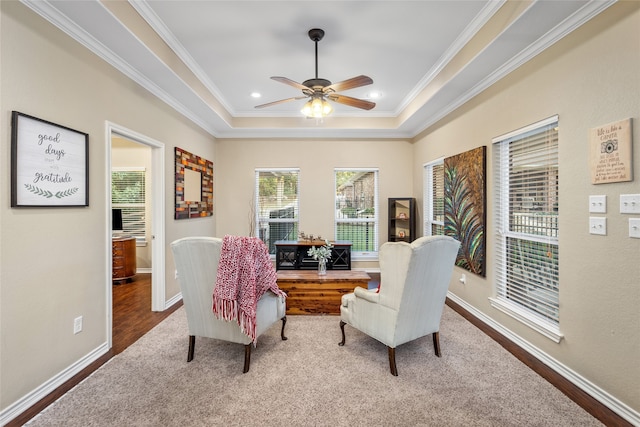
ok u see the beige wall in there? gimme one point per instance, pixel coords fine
(590, 78)
(235, 178)
(54, 262)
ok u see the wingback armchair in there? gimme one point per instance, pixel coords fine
(414, 279)
(196, 260)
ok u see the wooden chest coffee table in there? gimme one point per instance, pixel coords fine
(310, 293)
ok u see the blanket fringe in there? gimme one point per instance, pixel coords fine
(248, 326)
(228, 310)
(225, 309)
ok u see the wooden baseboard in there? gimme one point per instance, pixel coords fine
(573, 392)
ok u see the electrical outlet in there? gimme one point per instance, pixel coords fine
(77, 325)
(463, 279)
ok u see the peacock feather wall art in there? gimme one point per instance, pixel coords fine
(464, 207)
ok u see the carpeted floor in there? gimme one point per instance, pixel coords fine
(309, 380)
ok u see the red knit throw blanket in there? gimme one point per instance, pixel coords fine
(245, 273)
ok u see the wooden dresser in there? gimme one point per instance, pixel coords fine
(123, 258)
(310, 293)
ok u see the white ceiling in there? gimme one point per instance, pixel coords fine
(205, 58)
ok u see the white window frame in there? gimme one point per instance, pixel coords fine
(357, 254)
(428, 204)
(259, 218)
(505, 231)
(140, 233)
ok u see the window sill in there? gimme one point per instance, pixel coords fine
(548, 330)
(373, 256)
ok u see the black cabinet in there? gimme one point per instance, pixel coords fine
(402, 219)
(292, 255)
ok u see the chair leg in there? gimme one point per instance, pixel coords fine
(247, 358)
(284, 322)
(342, 329)
(192, 346)
(436, 343)
(392, 361)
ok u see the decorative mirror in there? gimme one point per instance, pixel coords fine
(194, 186)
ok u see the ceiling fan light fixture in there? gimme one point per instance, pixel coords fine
(317, 89)
(317, 108)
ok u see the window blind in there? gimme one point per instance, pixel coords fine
(276, 205)
(434, 198)
(128, 193)
(526, 215)
(356, 209)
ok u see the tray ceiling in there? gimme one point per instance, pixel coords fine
(206, 58)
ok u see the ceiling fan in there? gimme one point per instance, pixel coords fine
(319, 90)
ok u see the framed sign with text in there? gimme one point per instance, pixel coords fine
(49, 164)
(611, 158)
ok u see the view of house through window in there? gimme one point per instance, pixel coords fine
(128, 194)
(526, 212)
(276, 205)
(356, 210)
(434, 198)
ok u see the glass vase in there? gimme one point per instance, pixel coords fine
(322, 267)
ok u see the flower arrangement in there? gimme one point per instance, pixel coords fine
(321, 253)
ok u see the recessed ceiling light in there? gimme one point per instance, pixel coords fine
(255, 95)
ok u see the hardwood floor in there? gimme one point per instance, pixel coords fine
(132, 318)
(132, 315)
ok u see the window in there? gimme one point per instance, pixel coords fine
(434, 198)
(356, 212)
(277, 205)
(128, 193)
(526, 215)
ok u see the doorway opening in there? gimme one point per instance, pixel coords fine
(129, 150)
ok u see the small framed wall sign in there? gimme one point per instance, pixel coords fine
(49, 164)
(611, 153)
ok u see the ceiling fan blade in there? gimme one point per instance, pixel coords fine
(291, 83)
(282, 101)
(352, 102)
(348, 84)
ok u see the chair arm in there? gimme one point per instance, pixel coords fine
(366, 294)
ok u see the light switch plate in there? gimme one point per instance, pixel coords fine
(598, 204)
(634, 228)
(598, 225)
(630, 203)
